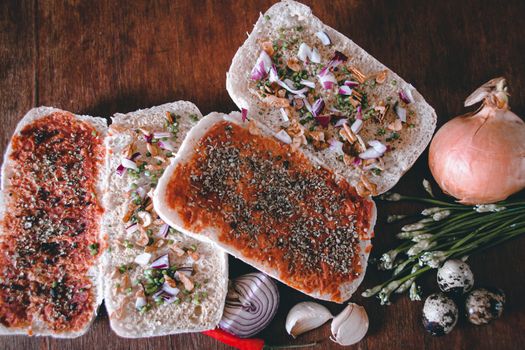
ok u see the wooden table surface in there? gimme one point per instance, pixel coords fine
(102, 57)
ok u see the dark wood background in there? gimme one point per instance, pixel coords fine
(102, 57)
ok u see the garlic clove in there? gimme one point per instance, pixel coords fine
(306, 316)
(350, 326)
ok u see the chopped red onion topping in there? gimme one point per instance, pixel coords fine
(129, 164)
(284, 115)
(244, 114)
(351, 83)
(120, 170)
(308, 83)
(336, 146)
(262, 66)
(141, 192)
(283, 137)
(167, 145)
(163, 231)
(340, 122)
(357, 125)
(377, 150)
(406, 95)
(162, 262)
(172, 291)
(274, 78)
(359, 114)
(306, 54)
(338, 58)
(327, 78)
(323, 120)
(132, 229)
(401, 112)
(325, 39)
(140, 303)
(318, 107)
(345, 90)
(161, 135)
(142, 259)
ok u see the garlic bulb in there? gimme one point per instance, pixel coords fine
(350, 326)
(306, 316)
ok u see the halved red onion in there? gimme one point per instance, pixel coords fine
(163, 231)
(283, 137)
(251, 304)
(132, 229)
(161, 135)
(308, 83)
(336, 146)
(351, 83)
(406, 95)
(162, 262)
(284, 115)
(400, 112)
(318, 107)
(244, 114)
(325, 39)
(167, 145)
(356, 126)
(129, 164)
(262, 66)
(340, 122)
(323, 120)
(326, 78)
(345, 90)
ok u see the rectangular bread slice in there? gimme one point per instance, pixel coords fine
(323, 80)
(138, 304)
(50, 211)
(234, 184)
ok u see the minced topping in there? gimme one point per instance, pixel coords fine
(328, 103)
(50, 231)
(274, 207)
(165, 265)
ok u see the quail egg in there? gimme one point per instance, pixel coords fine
(484, 305)
(455, 277)
(440, 314)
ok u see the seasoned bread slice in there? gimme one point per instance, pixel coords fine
(395, 114)
(201, 206)
(47, 237)
(125, 278)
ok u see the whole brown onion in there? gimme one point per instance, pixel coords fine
(480, 157)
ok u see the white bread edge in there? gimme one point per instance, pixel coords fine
(147, 116)
(100, 124)
(170, 216)
(244, 59)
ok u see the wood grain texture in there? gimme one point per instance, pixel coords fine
(102, 57)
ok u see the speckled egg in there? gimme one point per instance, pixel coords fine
(483, 305)
(440, 314)
(455, 277)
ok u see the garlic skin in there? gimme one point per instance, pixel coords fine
(350, 326)
(306, 316)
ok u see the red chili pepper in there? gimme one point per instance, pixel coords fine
(236, 342)
(246, 343)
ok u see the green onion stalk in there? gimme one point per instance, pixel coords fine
(446, 230)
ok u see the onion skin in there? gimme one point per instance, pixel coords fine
(479, 157)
